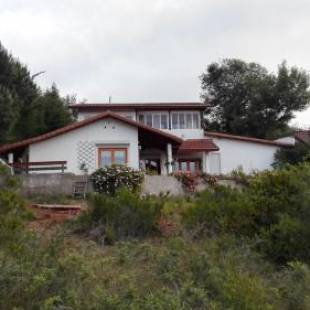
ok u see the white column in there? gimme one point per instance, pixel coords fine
(11, 158)
(169, 158)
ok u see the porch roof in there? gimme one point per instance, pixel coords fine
(198, 145)
(147, 133)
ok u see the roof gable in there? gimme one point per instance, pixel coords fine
(7, 147)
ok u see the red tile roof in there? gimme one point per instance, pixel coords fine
(303, 136)
(245, 139)
(7, 147)
(198, 145)
(139, 106)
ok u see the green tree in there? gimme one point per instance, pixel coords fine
(26, 111)
(7, 116)
(52, 111)
(244, 98)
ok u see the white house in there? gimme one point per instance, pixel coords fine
(162, 137)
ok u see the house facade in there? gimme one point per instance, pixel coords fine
(160, 138)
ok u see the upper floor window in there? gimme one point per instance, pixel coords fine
(185, 120)
(154, 119)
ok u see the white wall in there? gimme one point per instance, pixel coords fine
(248, 155)
(187, 133)
(287, 140)
(104, 132)
(84, 115)
(182, 133)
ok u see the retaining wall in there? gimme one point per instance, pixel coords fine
(56, 183)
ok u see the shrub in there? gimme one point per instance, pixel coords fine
(292, 155)
(240, 176)
(294, 285)
(286, 240)
(12, 211)
(281, 191)
(126, 214)
(209, 179)
(274, 208)
(282, 203)
(223, 209)
(109, 180)
(4, 170)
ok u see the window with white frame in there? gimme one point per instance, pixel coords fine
(154, 119)
(185, 120)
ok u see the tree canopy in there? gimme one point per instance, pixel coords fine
(244, 98)
(26, 110)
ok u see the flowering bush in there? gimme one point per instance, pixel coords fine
(108, 180)
(189, 181)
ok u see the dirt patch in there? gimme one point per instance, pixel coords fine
(47, 217)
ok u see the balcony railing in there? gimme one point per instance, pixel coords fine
(39, 166)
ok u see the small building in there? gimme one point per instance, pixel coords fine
(158, 137)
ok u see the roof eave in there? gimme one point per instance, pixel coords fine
(246, 139)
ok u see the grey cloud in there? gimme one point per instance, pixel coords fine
(150, 50)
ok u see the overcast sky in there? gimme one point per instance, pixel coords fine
(150, 50)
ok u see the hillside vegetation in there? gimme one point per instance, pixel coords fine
(220, 249)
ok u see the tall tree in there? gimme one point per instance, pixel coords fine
(244, 98)
(53, 111)
(25, 110)
(7, 116)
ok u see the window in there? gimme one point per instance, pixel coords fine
(189, 120)
(110, 156)
(148, 119)
(183, 166)
(164, 121)
(185, 120)
(179, 120)
(141, 118)
(182, 120)
(196, 121)
(189, 165)
(156, 120)
(175, 121)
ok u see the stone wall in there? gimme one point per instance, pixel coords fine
(156, 184)
(48, 183)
